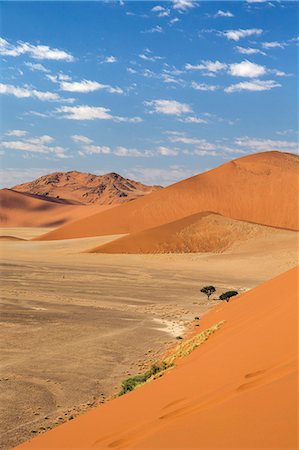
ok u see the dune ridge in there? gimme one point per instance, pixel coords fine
(260, 188)
(237, 390)
(203, 232)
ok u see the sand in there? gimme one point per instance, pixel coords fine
(202, 232)
(237, 390)
(25, 210)
(260, 188)
(93, 319)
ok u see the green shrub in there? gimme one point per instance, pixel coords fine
(130, 383)
(227, 295)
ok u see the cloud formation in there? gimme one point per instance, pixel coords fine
(236, 35)
(85, 112)
(169, 107)
(34, 51)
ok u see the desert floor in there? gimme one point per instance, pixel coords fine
(75, 324)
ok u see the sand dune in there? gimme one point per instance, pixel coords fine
(86, 188)
(260, 188)
(25, 210)
(237, 390)
(202, 232)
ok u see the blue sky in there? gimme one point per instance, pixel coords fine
(156, 91)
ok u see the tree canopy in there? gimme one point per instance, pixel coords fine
(227, 295)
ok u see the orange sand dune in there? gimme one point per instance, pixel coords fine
(261, 188)
(202, 232)
(237, 390)
(25, 210)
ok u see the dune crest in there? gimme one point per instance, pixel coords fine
(260, 188)
(203, 232)
(237, 390)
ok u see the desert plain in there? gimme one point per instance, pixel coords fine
(75, 324)
(83, 309)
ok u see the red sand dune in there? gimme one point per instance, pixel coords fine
(85, 188)
(202, 232)
(260, 188)
(238, 390)
(25, 210)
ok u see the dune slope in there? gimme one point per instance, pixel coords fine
(25, 210)
(260, 188)
(237, 390)
(202, 232)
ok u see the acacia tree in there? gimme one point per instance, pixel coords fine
(208, 290)
(227, 295)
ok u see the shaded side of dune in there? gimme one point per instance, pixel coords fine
(27, 210)
(202, 232)
(237, 390)
(260, 188)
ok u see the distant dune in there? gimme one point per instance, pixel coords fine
(260, 188)
(86, 188)
(202, 232)
(237, 390)
(25, 210)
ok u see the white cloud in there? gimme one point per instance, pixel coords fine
(27, 92)
(148, 56)
(273, 44)
(161, 11)
(247, 69)
(37, 66)
(249, 51)
(236, 35)
(130, 70)
(156, 29)
(169, 107)
(201, 144)
(34, 51)
(120, 151)
(81, 139)
(183, 5)
(264, 145)
(110, 59)
(211, 67)
(174, 20)
(40, 145)
(167, 151)
(85, 112)
(192, 119)
(85, 86)
(131, 152)
(16, 133)
(96, 149)
(203, 86)
(158, 176)
(254, 85)
(221, 13)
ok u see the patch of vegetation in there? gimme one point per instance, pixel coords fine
(208, 290)
(131, 383)
(157, 370)
(227, 295)
(179, 337)
(196, 318)
(186, 347)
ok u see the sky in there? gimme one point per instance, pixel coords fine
(155, 91)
